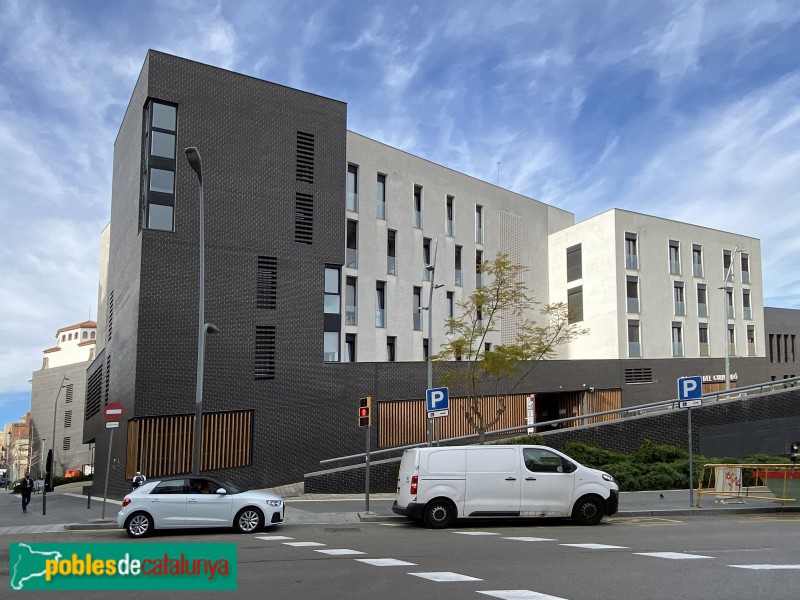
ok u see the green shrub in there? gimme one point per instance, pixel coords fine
(592, 456)
(533, 439)
(650, 452)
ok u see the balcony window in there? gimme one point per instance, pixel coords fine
(331, 350)
(702, 300)
(351, 249)
(391, 348)
(745, 268)
(677, 339)
(632, 294)
(680, 302)
(747, 311)
(417, 207)
(751, 340)
(731, 340)
(427, 274)
(380, 304)
(634, 344)
(350, 302)
(391, 252)
(697, 260)
(478, 268)
(350, 347)
(726, 266)
(702, 334)
(352, 188)
(417, 310)
(478, 224)
(631, 251)
(380, 198)
(459, 276)
(449, 224)
(729, 304)
(674, 258)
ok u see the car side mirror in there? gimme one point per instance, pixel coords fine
(222, 491)
(567, 467)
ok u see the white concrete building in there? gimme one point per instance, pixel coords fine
(75, 343)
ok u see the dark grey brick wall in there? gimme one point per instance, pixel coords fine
(782, 322)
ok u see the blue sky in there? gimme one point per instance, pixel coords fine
(684, 110)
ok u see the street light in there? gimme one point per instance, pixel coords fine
(726, 342)
(432, 269)
(193, 156)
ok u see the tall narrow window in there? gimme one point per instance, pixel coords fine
(751, 340)
(158, 172)
(702, 335)
(449, 225)
(391, 252)
(680, 300)
(391, 348)
(631, 251)
(574, 267)
(350, 302)
(380, 304)
(451, 304)
(726, 266)
(418, 207)
(380, 197)
(674, 257)
(745, 268)
(426, 259)
(634, 344)
(425, 349)
(417, 309)
(459, 275)
(350, 347)
(697, 260)
(351, 251)
(478, 224)
(677, 339)
(731, 340)
(575, 304)
(702, 300)
(747, 310)
(331, 349)
(729, 304)
(632, 293)
(332, 291)
(478, 268)
(352, 188)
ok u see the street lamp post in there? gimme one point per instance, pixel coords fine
(193, 156)
(48, 478)
(432, 269)
(726, 342)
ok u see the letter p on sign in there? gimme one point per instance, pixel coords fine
(690, 388)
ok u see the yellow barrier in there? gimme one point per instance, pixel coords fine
(779, 482)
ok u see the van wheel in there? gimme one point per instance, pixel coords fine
(589, 510)
(439, 514)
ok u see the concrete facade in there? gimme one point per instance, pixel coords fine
(782, 333)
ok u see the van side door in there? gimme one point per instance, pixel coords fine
(493, 482)
(548, 482)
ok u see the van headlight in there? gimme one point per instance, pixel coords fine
(275, 503)
(608, 477)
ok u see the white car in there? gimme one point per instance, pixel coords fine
(179, 502)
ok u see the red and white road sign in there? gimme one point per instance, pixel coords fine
(113, 411)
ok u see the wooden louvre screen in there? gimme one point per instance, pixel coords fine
(163, 446)
(403, 422)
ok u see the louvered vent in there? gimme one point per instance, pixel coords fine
(110, 313)
(639, 375)
(94, 391)
(67, 418)
(304, 218)
(69, 393)
(108, 380)
(267, 284)
(305, 157)
(265, 352)
(66, 444)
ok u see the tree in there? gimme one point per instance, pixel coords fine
(504, 295)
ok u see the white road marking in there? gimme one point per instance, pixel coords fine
(386, 562)
(339, 551)
(269, 538)
(672, 555)
(530, 539)
(766, 567)
(475, 533)
(595, 546)
(440, 576)
(302, 544)
(519, 595)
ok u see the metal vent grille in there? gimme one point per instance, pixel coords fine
(267, 283)
(66, 444)
(305, 157)
(67, 418)
(110, 314)
(511, 244)
(644, 375)
(265, 352)
(69, 392)
(304, 218)
(94, 389)
(108, 380)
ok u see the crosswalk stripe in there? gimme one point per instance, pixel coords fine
(270, 538)
(443, 576)
(519, 595)
(476, 533)
(530, 539)
(386, 562)
(672, 555)
(302, 544)
(766, 567)
(340, 551)
(596, 546)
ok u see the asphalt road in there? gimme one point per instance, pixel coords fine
(722, 557)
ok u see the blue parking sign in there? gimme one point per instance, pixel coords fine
(690, 388)
(437, 402)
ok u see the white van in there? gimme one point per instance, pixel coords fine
(438, 485)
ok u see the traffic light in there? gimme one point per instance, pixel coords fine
(365, 411)
(794, 451)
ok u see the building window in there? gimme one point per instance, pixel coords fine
(478, 268)
(426, 259)
(677, 339)
(331, 349)
(747, 310)
(451, 304)
(425, 349)
(731, 340)
(745, 268)
(391, 252)
(459, 275)
(63, 337)
(391, 347)
(574, 263)
(632, 293)
(332, 291)
(417, 308)
(631, 251)
(751, 340)
(85, 335)
(702, 335)
(350, 347)
(697, 260)
(575, 304)
(92, 335)
(350, 302)
(634, 340)
(352, 188)
(680, 299)
(158, 172)
(418, 207)
(351, 245)
(771, 348)
(380, 304)
(674, 257)
(449, 225)
(729, 304)
(478, 224)
(702, 300)
(727, 266)
(487, 347)
(380, 197)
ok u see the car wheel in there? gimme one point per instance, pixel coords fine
(589, 510)
(139, 525)
(249, 520)
(439, 514)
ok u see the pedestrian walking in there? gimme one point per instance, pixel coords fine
(27, 489)
(138, 480)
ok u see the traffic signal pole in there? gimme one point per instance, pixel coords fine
(368, 429)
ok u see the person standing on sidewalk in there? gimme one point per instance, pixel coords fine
(27, 489)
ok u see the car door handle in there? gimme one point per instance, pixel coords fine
(154, 500)
(511, 478)
(530, 479)
(192, 501)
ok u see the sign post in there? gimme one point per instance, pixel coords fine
(112, 413)
(437, 404)
(690, 393)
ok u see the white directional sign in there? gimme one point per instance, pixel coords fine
(690, 388)
(437, 402)
(690, 403)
